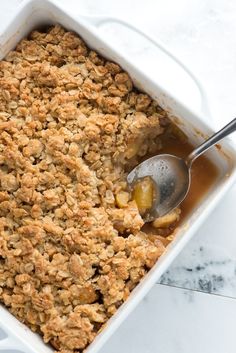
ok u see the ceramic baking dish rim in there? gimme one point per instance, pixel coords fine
(160, 266)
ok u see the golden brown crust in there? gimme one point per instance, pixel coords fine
(71, 123)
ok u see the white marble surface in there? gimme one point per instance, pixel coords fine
(170, 319)
(177, 321)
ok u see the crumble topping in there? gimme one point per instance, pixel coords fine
(72, 246)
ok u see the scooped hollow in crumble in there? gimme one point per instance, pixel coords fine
(72, 246)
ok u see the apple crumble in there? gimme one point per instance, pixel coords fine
(72, 242)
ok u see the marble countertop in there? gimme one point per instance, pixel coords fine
(193, 308)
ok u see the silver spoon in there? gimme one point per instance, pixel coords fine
(172, 175)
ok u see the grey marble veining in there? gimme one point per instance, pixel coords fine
(203, 272)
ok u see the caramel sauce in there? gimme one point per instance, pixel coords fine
(203, 172)
(203, 175)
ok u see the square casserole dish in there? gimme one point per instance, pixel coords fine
(32, 14)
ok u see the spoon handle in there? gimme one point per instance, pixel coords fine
(225, 131)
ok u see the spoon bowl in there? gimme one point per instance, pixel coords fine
(171, 176)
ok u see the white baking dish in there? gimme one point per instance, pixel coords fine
(32, 14)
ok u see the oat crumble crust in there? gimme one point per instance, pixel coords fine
(71, 125)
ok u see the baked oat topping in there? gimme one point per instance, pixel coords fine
(72, 246)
